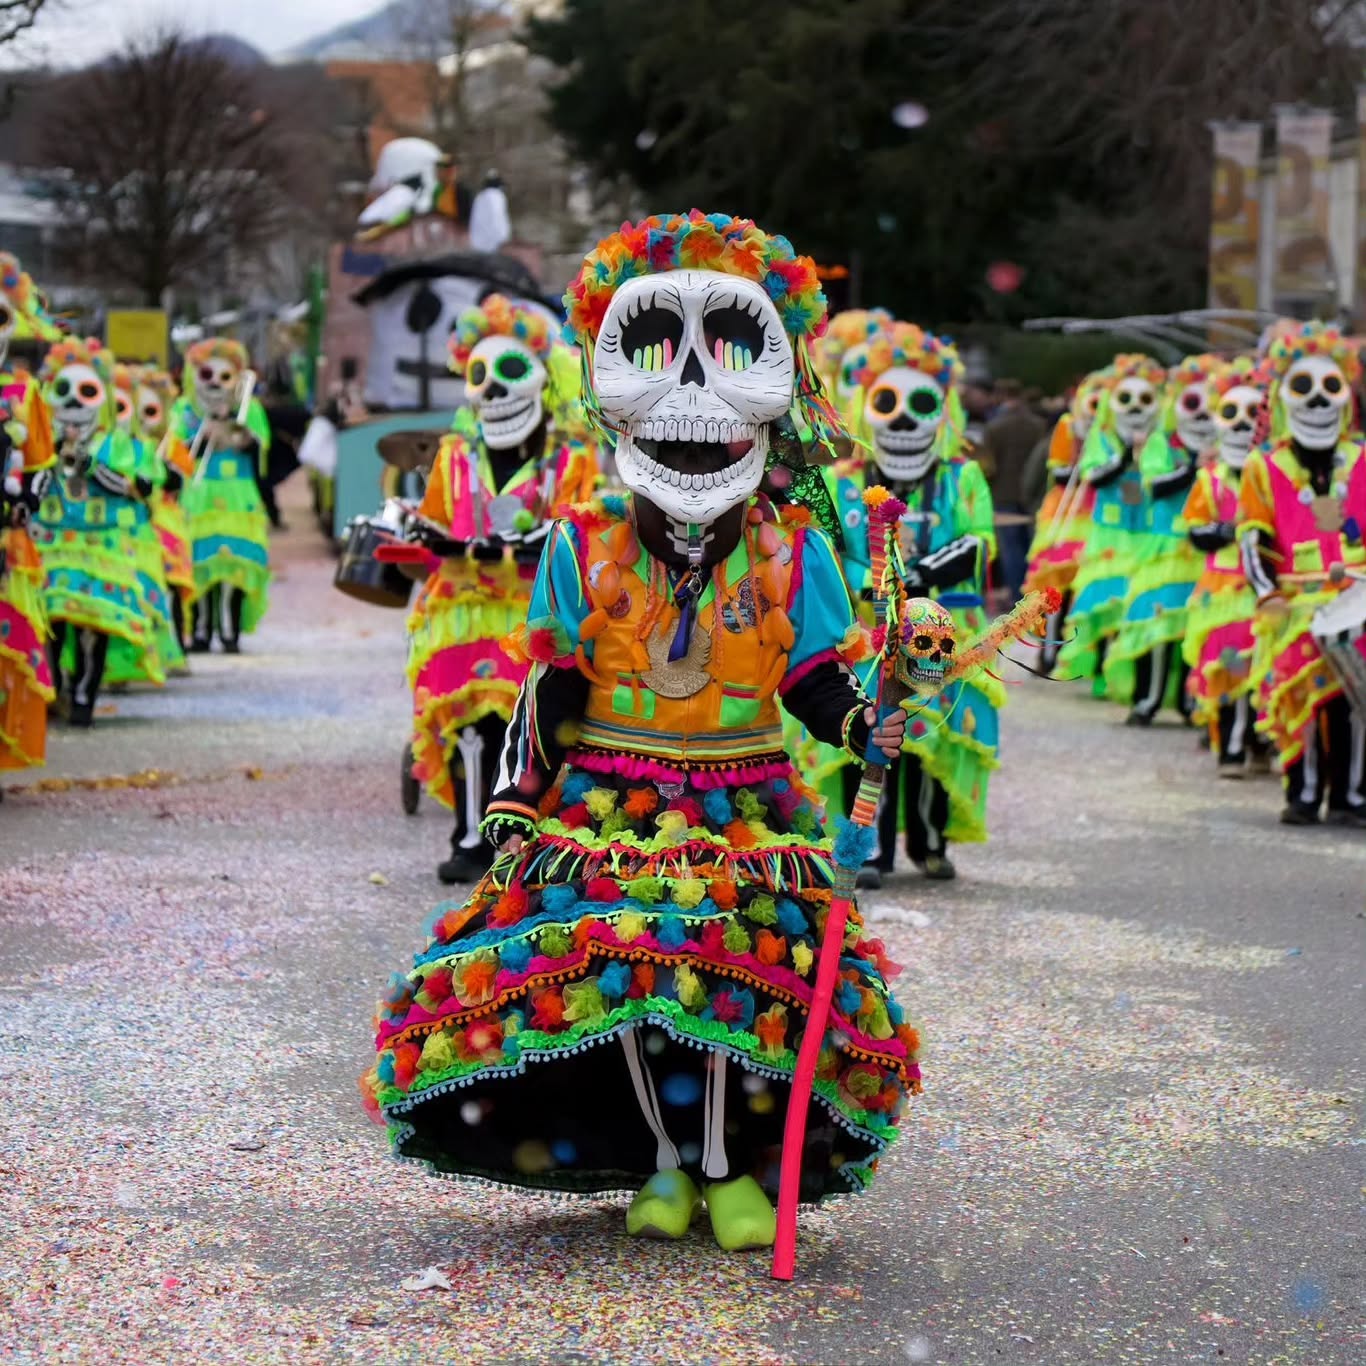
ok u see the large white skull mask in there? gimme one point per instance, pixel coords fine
(152, 415)
(904, 410)
(1315, 393)
(691, 366)
(1134, 403)
(77, 397)
(1235, 419)
(215, 386)
(1194, 421)
(504, 383)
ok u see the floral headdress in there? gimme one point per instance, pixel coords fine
(14, 281)
(217, 348)
(1187, 371)
(1136, 365)
(905, 344)
(75, 351)
(847, 329)
(719, 242)
(1241, 370)
(498, 316)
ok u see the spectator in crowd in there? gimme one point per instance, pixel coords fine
(1008, 440)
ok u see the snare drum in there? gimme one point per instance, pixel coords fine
(1339, 628)
(361, 575)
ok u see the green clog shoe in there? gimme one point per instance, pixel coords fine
(741, 1214)
(665, 1207)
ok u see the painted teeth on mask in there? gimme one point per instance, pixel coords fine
(696, 483)
(693, 429)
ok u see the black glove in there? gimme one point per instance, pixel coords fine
(503, 825)
(144, 486)
(174, 480)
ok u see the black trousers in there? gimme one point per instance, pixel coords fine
(219, 611)
(1153, 675)
(89, 652)
(909, 789)
(473, 766)
(1333, 762)
(1237, 734)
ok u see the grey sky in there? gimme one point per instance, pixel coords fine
(77, 30)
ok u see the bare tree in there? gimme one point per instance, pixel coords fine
(17, 16)
(175, 163)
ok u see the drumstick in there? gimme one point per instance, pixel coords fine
(1069, 494)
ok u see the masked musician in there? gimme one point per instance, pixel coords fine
(1302, 511)
(494, 486)
(619, 1000)
(26, 460)
(89, 525)
(220, 431)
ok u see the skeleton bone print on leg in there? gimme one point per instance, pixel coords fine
(1315, 393)
(1135, 407)
(904, 410)
(692, 366)
(504, 381)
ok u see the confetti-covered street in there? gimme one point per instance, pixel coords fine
(1141, 1136)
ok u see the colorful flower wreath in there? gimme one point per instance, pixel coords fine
(1296, 341)
(498, 317)
(695, 241)
(905, 344)
(75, 351)
(14, 281)
(216, 348)
(1241, 370)
(1136, 365)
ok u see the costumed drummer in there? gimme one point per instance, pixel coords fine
(87, 530)
(1116, 538)
(494, 486)
(1301, 511)
(1144, 667)
(221, 432)
(26, 459)
(913, 423)
(619, 1002)
(1218, 643)
(1065, 514)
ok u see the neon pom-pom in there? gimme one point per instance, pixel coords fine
(689, 807)
(688, 892)
(615, 980)
(740, 835)
(725, 893)
(602, 889)
(515, 957)
(848, 999)
(672, 933)
(576, 816)
(576, 787)
(436, 986)
(601, 802)
(641, 802)
(854, 844)
(791, 920)
(509, 908)
(649, 891)
(559, 898)
(717, 807)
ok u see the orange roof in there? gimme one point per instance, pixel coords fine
(400, 93)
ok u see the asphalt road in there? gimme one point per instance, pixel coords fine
(1140, 1141)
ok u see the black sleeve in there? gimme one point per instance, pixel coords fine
(1211, 536)
(548, 710)
(1107, 473)
(822, 700)
(949, 564)
(1179, 479)
(174, 480)
(1258, 565)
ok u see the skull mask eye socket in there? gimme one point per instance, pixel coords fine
(1190, 401)
(1332, 384)
(6, 318)
(88, 391)
(925, 404)
(946, 645)
(1301, 384)
(651, 337)
(923, 642)
(151, 412)
(479, 372)
(61, 388)
(734, 336)
(884, 400)
(511, 367)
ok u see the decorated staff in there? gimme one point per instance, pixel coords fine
(1301, 515)
(26, 459)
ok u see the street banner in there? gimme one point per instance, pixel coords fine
(1235, 215)
(1304, 258)
(138, 336)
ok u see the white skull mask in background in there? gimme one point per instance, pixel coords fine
(1235, 420)
(504, 382)
(692, 366)
(77, 396)
(8, 317)
(1134, 403)
(215, 386)
(1194, 421)
(123, 409)
(853, 360)
(1084, 408)
(151, 411)
(904, 410)
(1315, 393)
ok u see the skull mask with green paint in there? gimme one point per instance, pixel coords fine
(928, 640)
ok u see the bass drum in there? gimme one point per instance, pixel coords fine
(361, 575)
(1339, 629)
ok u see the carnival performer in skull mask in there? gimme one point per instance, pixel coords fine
(1144, 665)
(913, 421)
(1219, 644)
(126, 664)
(26, 458)
(619, 1002)
(87, 528)
(1065, 515)
(221, 432)
(1126, 418)
(1302, 511)
(494, 487)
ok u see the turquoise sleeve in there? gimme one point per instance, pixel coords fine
(822, 611)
